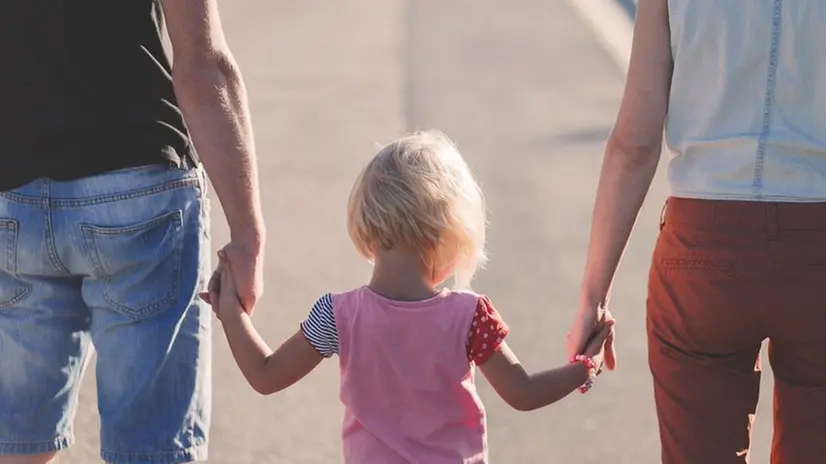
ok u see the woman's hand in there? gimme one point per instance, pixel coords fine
(590, 321)
(601, 342)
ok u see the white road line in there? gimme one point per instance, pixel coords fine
(612, 26)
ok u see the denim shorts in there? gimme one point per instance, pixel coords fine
(113, 261)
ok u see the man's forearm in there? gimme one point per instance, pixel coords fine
(214, 103)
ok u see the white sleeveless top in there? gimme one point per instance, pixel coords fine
(747, 111)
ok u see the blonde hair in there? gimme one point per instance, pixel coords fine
(418, 192)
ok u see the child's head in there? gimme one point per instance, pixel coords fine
(418, 194)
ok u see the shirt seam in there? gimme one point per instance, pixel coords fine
(771, 81)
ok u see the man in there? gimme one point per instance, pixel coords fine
(104, 220)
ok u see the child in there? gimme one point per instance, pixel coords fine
(407, 350)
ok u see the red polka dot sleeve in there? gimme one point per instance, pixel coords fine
(487, 331)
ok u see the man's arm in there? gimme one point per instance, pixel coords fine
(213, 99)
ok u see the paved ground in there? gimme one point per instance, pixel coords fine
(529, 96)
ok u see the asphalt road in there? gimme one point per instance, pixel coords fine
(529, 96)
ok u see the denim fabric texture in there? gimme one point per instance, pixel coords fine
(113, 261)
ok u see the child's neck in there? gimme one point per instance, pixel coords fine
(401, 275)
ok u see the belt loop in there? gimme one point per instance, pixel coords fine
(772, 227)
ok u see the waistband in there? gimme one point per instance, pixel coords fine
(744, 214)
(136, 181)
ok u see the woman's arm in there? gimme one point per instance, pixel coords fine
(631, 158)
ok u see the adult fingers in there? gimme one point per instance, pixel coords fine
(610, 359)
(583, 328)
(597, 340)
(215, 307)
(244, 275)
(215, 281)
(575, 342)
(213, 287)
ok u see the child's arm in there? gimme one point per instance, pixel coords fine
(266, 371)
(526, 392)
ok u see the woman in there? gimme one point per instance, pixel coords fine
(740, 89)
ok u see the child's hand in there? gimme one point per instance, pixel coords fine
(595, 349)
(210, 296)
(223, 293)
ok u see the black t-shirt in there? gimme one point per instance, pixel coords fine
(85, 88)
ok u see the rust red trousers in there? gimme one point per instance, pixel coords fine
(725, 276)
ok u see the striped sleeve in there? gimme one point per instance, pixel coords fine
(320, 327)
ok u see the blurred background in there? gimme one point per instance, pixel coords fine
(529, 93)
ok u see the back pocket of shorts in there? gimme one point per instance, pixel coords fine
(12, 289)
(137, 267)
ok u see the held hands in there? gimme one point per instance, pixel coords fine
(589, 324)
(246, 254)
(223, 292)
(597, 345)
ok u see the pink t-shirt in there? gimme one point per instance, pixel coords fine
(407, 375)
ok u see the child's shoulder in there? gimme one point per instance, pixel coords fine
(462, 293)
(465, 297)
(467, 294)
(469, 298)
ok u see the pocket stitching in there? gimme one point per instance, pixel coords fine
(150, 309)
(677, 264)
(89, 231)
(11, 227)
(694, 262)
(25, 288)
(98, 230)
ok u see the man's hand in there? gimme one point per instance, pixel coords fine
(586, 321)
(245, 254)
(222, 291)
